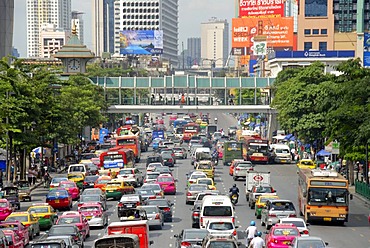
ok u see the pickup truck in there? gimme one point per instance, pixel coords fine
(255, 178)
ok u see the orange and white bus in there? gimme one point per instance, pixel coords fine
(117, 159)
(190, 130)
(130, 142)
(323, 196)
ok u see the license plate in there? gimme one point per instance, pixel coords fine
(129, 205)
(283, 161)
(286, 242)
(110, 191)
(56, 201)
(88, 217)
(327, 219)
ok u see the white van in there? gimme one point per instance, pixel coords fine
(199, 150)
(78, 168)
(282, 153)
(216, 207)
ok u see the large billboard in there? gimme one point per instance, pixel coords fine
(150, 40)
(277, 32)
(261, 8)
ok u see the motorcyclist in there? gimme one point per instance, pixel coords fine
(234, 191)
(257, 242)
(250, 232)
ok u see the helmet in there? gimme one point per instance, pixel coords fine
(253, 223)
(259, 234)
(234, 185)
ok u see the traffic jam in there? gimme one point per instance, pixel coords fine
(128, 187)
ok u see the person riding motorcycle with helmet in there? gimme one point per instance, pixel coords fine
(257, 242)
(234, 191)
(250, 232)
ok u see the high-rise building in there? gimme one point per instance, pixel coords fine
(78, 22)
(214, 43)
(103, 26)
(291, 9)
(51, 40)
(56, 12)
(6, 27)
(159, 15)
(194, 52)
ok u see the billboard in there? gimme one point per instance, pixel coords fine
(150, 40)
(366, 49)
(259, 48)
(261, 8)
(278, 32)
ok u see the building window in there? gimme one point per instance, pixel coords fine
(307, 46)
(315, 8)
(323, 46)
(324, 31)
(315, 31)
(307, 31)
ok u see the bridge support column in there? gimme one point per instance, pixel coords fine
(272, 124)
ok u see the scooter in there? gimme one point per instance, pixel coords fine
(234, 198)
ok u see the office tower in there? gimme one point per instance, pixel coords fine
(78, 22)
(291, 9)
(214, 42)
(6, 27)
(51, 40)
(103, 26)
(157, 15)
(194, 52)
(56, 12)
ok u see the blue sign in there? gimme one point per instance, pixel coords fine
(103, 132)
(312, 54)
(113, 164)
(252, 62)
(367, 49)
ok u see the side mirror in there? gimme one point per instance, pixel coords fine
(199, 243)
(265, 232)
(176, 235)
(236, 227)
(326, 243)
(151, 242)
(245, 184)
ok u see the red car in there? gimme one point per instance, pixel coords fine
(18, 228)
(281, 235)
(5, 209)
(59, 199)
(72, 189)
(14, 241)
(76, 219)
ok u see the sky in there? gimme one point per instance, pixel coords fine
(191, 14)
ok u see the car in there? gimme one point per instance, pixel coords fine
(93, 168)
(195, 214)
(167, 183)
(208, 181)
(240, 169)
(90, 198)
(223, 241)
(299, 223)
(180, 152)
(152, 166)
(219, 228)
(56, 180)
(72, 189)
(202, 194)
(308, 241)
(146, 194)
(152, 159)
(164, 205)
(163, 170)
(189, 237)
(102, 182)
(155, 187)
(131, 175)
(155, 216)
(94, 191)
(95, 214)
(216, 136)
(169, 144)
(193, 190)
(68, 240)
(306, 164)
(76, 219)
(281, 235)
(89, 182)
(86, 157)
(5, 209)
(232, 130)
(45, 214)
(28, 220)
(194, 176)
(206, 167)
(257, 191)
(14, 241)
(261, 203)
(118, 187)
(59, 199)
(66, 230)
(128, 201)
(19, 228)
(151, 177)
(275, 210)
(77, 178)
(167, 160)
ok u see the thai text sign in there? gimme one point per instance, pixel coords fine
(278, 31)
(261, 8)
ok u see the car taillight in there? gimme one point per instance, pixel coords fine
(234, 233)
(274, 241)
(27, 225)
(195, 214)
(79, 226)
(120, 204)
(251, 169)
(233, 220)
(201, 221)
(138, 204)
(47, 216)
(79, 205)
(170, 160)
(259, 206)
(157, 217)
(238, 169)
(292, 215)
(144, 180)
(85, 183)
(166, 209)
(305, 232)
(152, 197)
(185, 244)
(272, 215)
(172, 184)
(188, 194)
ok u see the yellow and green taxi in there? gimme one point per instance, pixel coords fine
(209, 181)
(261, 203)
(206, 167)
(306, 164)
(203, 124)
(28, 220)
(198, 121)
(44, 213)
(78, 178)
(117, 187)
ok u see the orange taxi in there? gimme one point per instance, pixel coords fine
(233, 165)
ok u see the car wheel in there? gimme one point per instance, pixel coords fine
(235, 178)
(268, 227)
(187, 202)
(88, 234)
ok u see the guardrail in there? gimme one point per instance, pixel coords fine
(363, 189)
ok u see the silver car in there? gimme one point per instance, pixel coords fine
(155, 216)
(276, 210)
(151, 177)
(241, 168)
(193, 190)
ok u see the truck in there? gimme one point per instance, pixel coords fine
(211, 128)
(255, 178)
(118, 240)
(232, 150)
(139, 228)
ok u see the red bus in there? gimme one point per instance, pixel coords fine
(117, 158)
(190, 130)
(256, 149)
(130, 142)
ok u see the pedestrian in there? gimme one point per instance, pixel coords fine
(32, 174)
(182, 99)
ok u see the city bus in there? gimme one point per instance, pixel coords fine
(255, 149)
(115, 159)
(323, 196)
(190, 130)
(130, 142)
(232, 150)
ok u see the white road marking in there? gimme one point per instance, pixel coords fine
(171, 230)
(170, 245)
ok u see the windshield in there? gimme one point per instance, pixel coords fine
(262, 189)
(58, 193)
(222, 244)
(311, 243)
(150, 210)
(294, 222)
(113, 157)
(265, 199)
(39, 210)
(286, 232)
(194, 177)
(103, 181)
(199, 234)
(165, 179)
(110, 184)
(145, 192)
(92, 192)
(89, 198)
(68, 185)
(91, 178)
(217, 211)
(204, 181)
(151, 186)
(204, 166)
(88, 156)
(198, 187)
(221, 226)
(126, 142)
(284, 151)
(58, 179)
(125, 172)
(79, 168)
(62, 230)
(3, 204)
(282, 206)
(89, 209)
(20, 218)
(158, 203)
(47, 245)
(327, 196)
(68, 220)
(263, 148)
(152, 176)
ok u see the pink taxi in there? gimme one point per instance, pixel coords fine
(5, 209)
(72, 189)
(77, 219)
(94, 214)
(167, 183)
(14, 241)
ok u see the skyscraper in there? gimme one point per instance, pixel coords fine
(214, 42)
(194, 52)
(39, 12)
(78, 21)
(6, 27)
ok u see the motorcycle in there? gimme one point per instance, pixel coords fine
(234, 198)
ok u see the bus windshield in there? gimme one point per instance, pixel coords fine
(126, 142)
(327, 196)
(260, 148)
(113, 157)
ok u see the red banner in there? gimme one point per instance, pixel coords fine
(261, 8)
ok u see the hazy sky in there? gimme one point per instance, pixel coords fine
(191, 14)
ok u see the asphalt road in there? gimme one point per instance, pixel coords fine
(283, 178)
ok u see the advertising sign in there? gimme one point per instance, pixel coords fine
(367, 50)
(278, 31)
(238, 51)
(259, 48)
(150, 40)
(261, 8)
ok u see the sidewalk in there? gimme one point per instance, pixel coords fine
(352, 191)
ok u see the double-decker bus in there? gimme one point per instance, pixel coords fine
(256, 149)
(323, 196)
(190, 130)
(130, 142)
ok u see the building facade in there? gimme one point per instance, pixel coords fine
(51, 40)
(57, 12)
(78, 22)
(6, 27)
(149, 15)
(214, 43)
(194, 52)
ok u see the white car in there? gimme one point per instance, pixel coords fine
(195, 175)
(151, 167)
(222, 228)
(131, 175)
(151, 177)
(299, 223)
(155, 187)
